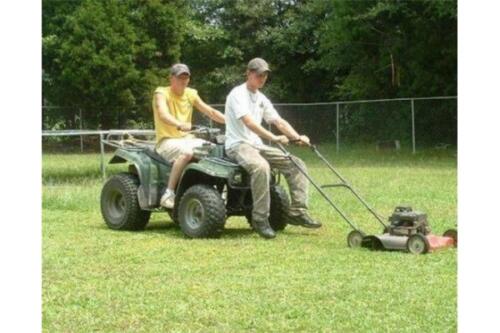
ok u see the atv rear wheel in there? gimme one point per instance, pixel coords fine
(417, 244)
(201, 212)
(278, 214)
(119, 205)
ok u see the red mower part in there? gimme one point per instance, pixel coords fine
(453, 234)
(439, 242)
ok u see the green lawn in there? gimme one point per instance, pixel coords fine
(96, 279)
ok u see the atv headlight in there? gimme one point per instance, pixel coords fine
(237, 178)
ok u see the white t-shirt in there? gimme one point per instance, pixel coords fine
(239, 103)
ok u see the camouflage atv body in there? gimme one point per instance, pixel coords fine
(211, 189)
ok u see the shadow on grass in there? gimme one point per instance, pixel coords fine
(171, 230)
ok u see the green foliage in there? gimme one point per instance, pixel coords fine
(347, 49)
(107, 57)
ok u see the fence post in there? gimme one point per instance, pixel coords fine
(338, 129)
(413, 124)
(103, 169)
(81, 136)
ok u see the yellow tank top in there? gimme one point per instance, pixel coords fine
(180, 107)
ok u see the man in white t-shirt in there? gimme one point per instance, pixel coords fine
(246, 106)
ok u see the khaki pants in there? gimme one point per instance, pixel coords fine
(171, 148)
(257, 161)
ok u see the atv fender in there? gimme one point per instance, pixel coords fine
(150, 176)
(208, 170)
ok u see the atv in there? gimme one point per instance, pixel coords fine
(211, 188)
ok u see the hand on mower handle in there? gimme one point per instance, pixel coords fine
(303, 140)
(281, 139)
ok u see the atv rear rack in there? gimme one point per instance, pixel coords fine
(124, 139)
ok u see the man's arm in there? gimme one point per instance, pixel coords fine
(287, 129)
(261, 131)
(209, 111)
(165, 116)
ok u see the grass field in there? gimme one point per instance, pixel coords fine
(99, 280)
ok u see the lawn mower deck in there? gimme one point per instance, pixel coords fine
(409, 231)
(418, 244)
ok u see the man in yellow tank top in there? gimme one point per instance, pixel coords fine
(173, 110)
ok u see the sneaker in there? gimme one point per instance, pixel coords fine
(303, 220)
(168, 199)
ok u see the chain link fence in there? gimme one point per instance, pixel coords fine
(406, 123)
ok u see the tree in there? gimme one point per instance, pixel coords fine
(107, 56)
(390, 48)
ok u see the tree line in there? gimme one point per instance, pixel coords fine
(107, 57)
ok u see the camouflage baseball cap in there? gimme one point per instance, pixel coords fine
(258, 65)
(179, 69)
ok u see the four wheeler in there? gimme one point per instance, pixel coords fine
(211, 188)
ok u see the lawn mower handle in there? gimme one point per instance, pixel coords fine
(343, 183)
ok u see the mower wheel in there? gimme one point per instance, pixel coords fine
(278, 214)
(201, 212)
(453, 234)
(355, 238)
(417, 244)
(119, 204)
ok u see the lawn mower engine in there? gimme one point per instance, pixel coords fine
(410, 231)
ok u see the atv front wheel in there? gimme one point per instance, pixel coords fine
(201, 212)
(119, 205)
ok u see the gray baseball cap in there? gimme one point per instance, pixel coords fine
(258, 65)
(179, 69)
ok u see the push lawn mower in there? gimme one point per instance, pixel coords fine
(408, 230)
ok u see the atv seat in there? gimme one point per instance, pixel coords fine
(226, 157)
(151, 152)
(229, 159)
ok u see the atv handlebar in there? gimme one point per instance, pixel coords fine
(199, 129)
